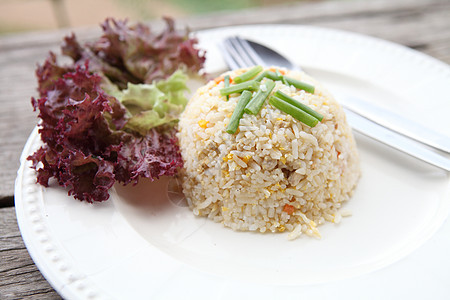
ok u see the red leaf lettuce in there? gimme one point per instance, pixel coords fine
(91, 133)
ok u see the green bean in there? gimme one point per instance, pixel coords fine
(248, 75)
(269, 74)
(293, 111)
(238, 112)
(261, 76)
(299, 84)
(251, 85)
(280, 76)
(274, 76)
(226, 82)
(257, 101)
(299, 105)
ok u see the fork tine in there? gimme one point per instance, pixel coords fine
(241, 52)
(250, 52)
(236, 59)
(229, 58)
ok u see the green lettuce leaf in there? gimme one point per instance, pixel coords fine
(152, 105)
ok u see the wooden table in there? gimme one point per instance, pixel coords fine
(420, 24)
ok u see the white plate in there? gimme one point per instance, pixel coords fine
(140, 245)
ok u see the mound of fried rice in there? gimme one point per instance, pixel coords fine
(275, 174)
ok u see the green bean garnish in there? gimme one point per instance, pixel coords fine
(251, 85)
(274, 76)
(238, 112)
(269, 74)
(293, 111)
(280, 76)
(261, 76)
(226, 82)
(255, 104)
(248, 75)
(297, 104)
(299, 84)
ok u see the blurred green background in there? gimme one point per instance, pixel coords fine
(27, 15)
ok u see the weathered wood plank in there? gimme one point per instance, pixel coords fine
(423, 25)
(19, 276)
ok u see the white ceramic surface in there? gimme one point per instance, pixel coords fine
(139, 245)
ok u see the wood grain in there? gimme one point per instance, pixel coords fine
(423, 25)
(420, 24)
(19, 276)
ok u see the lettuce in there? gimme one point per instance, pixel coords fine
(136, 54)
(109, 116)
(152, 105)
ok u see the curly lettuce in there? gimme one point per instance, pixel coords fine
(152, 105)
(109, 115)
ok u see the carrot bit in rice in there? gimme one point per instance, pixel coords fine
(289, 209)
(279, 181)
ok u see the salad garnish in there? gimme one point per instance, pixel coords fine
(109, 115)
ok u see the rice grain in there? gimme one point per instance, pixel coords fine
(276, 174)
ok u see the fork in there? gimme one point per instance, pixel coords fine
(238, 53)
